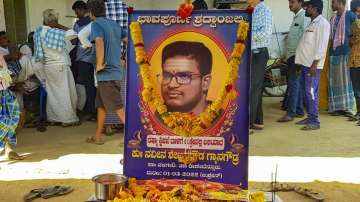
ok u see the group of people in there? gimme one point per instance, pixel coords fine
(310, 39)
(67, 72)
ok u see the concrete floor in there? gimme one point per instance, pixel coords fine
(61, 153)
(336, 138)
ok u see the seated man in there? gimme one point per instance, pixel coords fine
(34, 90)
(22, 67)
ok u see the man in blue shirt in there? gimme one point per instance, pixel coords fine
(107, 36)
(83, 68)
(260, 40)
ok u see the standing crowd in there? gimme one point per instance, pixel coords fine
(63, 76)
(311, 39)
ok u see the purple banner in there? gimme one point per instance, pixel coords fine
(189, 131)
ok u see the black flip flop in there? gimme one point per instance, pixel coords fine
(33, 194)
(54, 191)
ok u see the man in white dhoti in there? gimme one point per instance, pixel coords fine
(52, 46)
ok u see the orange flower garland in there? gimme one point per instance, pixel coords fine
(188, 124)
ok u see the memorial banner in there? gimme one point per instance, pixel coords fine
(187, 111)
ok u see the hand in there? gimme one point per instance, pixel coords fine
(123, 62)
(100, 67)
(313, 69)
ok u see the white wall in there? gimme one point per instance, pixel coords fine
(36, 7)
(280, 10)
(158, 4)
(2, 17)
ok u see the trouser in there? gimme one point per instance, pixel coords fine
(85, 76)
(259, 59)
(295, 98)
(310, 90)
(355, 79)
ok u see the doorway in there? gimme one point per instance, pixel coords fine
(15, 20)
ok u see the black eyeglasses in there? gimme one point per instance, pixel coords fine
(182, 78)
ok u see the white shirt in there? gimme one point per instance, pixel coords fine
(83, 36)
(26, 50)
(313, 44)
(4, 51)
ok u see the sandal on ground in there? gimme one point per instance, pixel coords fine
(309, 193)
(14, 156)
(285, 118)
(53, 191)
(33, 194)
(92, 140)
(71, 124)
(309, 127)
(65, 190)
(48, 192)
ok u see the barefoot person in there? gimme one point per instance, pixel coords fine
(341, 95)
(355, 58)
(107, 35)
(9, 114)
(52, 47)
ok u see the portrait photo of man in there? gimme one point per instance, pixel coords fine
(185, 76)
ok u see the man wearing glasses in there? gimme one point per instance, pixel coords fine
(186, 76)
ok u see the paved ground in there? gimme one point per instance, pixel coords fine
(62, 153)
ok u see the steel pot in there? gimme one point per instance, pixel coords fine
(107, 186)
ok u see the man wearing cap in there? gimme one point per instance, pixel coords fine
(311, 54)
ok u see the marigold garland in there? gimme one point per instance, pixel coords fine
(188, 124)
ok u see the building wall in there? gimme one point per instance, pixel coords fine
(280, 10)
(36, 7)
(281, 14)
(2, 16)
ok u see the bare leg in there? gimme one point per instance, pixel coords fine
(21, 121)
(101, 114)
(121, 115)
(11, 154)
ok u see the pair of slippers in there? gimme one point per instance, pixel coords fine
(47, 192)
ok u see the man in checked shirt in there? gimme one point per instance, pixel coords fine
(261, 36)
